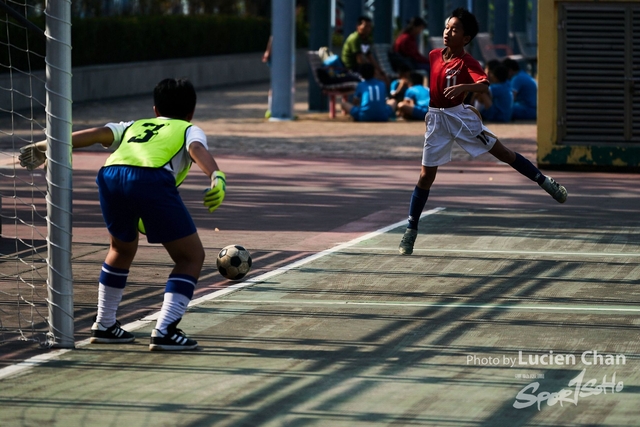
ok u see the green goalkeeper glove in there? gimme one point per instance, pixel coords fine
(34, 155)
(214, 196)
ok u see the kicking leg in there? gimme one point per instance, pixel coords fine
(418, 201)
(526, 168)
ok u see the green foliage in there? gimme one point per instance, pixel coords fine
(302, 29)
(144, 38)
(119, 39)
(337, 40)
(21, 49)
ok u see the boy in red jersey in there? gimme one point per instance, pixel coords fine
(454, 73)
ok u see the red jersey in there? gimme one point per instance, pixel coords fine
(462, 70)
(406, 45)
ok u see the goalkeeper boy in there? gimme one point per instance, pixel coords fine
(138, 185)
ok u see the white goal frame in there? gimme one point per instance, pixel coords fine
(59, 173)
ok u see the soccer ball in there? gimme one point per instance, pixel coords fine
(234, 262)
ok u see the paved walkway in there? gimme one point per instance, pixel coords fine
(332, 327)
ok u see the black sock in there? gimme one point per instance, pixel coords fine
(526, 168)
(418, 200)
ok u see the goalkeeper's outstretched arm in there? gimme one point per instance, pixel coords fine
(34, 155)
(88, 137)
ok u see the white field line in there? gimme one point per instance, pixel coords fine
(510, 252)
(589, 308)
(40, 359)
(296, 264)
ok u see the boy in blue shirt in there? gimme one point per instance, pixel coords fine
(525, 91)
(369, 103)
(497, 105)
(416, 100)
(400, 85)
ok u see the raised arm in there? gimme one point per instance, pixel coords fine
(88, 137)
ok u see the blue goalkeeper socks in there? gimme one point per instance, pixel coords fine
(526, 168)
(418, 200)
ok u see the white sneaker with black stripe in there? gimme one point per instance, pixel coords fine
(173, 340)
(114, 334)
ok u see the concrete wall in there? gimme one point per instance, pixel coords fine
(120, 80)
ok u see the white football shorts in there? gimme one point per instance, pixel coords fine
(461, 124)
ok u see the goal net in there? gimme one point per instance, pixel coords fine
(35, 228)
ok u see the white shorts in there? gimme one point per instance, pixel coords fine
(461, 124)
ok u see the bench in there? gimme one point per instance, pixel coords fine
(528, 50)
(489, 50)
(381, 53)
(383, 50)
(331, 90)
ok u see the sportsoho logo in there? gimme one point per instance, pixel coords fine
(580, 386)
(578, 389)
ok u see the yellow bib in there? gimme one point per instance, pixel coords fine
(151, 143)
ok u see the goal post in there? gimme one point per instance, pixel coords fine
(59, 173)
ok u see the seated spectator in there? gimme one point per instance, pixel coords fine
(491, 64)
(406, 45)
(497, 105)
(369, 99)
(525, 91)
(415, 104)
(356, 49)
(333, 71)
(401, 84)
